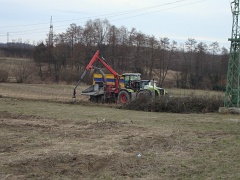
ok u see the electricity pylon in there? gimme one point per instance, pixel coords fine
(232, 94)
(50, 36)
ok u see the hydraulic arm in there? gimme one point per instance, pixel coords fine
(90, 66)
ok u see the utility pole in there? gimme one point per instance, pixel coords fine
(7, 37)
(50, 38)
(232, 94)
(50, 47)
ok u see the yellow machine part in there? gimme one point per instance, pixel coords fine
(110, 79)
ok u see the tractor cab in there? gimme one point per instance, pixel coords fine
(149, 83)
(152, 85)
(132, 81)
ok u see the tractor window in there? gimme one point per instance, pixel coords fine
(130, 79)
(126, 78)
(135, 77)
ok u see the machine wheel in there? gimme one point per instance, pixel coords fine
(156, 93)
(96, 99)
(161, 92)
(144, 94)
(123, 97)
(92, 99)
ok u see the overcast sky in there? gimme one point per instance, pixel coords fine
(204, 20)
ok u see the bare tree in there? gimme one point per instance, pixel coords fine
(139, 42)
(224, 62)
(112, 43)
(153, 52)
(200, 66)
(88, 34)
(214, 49)
(73, 34)
(40, 57)
(124, 49)
(188, 66)
(214, 74)
(166, 54)
(101, 29)
(72, 37)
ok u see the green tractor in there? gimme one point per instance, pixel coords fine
(134, 87)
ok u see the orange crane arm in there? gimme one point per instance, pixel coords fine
(90, 66)
(95, 58)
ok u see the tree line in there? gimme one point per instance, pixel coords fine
(16, 49)
(196, 64)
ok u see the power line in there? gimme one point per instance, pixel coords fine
(160, 10)
(35, 31)
(112, 14)
(104, 15)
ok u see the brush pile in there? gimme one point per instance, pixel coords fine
(187, 104)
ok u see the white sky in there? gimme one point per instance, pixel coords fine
(204, 20)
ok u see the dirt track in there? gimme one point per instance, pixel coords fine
(33, 147)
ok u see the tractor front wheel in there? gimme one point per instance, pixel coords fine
(144, 94)
(123, 97)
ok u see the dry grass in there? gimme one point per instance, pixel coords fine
(50, 140)
(42, 92)
(12, 63)
(19, 69)
(63, 93)
(186, 92)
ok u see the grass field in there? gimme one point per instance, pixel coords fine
(44, 136)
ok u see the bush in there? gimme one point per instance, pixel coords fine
(218, 87)
(69, 75)
(26, 72)
(3, 74)
(189, 104)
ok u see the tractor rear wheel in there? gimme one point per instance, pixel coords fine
(123, 97)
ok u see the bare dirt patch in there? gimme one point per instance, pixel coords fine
(40, 148)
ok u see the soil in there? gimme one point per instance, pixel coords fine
(33, 147)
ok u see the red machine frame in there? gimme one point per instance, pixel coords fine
(103, 62)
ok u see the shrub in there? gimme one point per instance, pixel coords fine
(69, 75)
(25, 72)
(189, 104)
(3, 74)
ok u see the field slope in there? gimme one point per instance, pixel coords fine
(44, 136)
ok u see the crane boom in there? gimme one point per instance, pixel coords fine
(90, 66)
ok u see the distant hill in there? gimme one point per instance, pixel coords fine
(16, 50)
(3, 45)
(16, 45)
